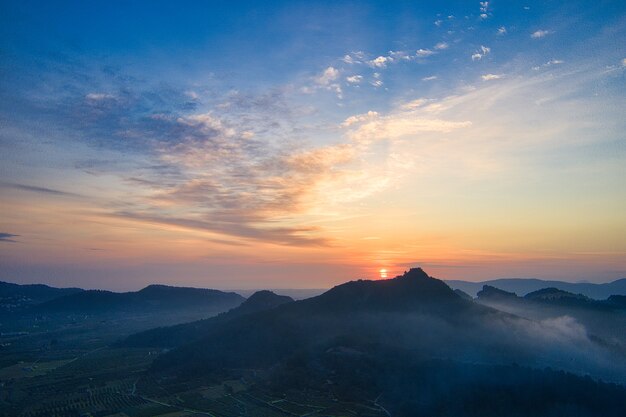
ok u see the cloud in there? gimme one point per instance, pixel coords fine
(36, 189)
(354, 58)
(359, 118)
(192, 95)
(540, 34)
(326, 80)
(442, 45)
(354, 79)
(549, 64)
(379, 62)
(423, 53)
(234, 183)
(7, 237)
(327, 76)
(429, 78)
(502, 30)
(409, 119)
(480, 54)
(490, 77)
(99, 96)
(413, 104)
(484, 9)
(292, 236)
(624, 62)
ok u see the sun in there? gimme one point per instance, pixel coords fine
(383, 273)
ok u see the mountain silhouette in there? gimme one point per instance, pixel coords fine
(492, 293)
(177, 335)
(411, 342)
(151, 298)
(357, 310)
(30, 294)
(412, 291)
(524, 286)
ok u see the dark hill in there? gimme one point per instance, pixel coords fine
(553, 294)
(524, 286)
(545, 296)
(617, 301)
(492, 293)
(410, 342)
(150, 299)
(556, 296)
(259, 301)
(463, 294)
(364, 310)
(30, 294)
(413, 291)
(173, 336)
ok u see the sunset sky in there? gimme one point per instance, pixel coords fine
(303, 144)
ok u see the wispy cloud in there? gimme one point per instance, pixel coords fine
(404, 122)
(484, 9)
(379, 62)
(7, 237)
(490, 77)
(354, 58)
(538, 34)
(354, 79)
(481, 53)
(423, 53)
(549, 64)
(36, 189)
(329, 75)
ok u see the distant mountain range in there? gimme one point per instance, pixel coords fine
(551, 296)
(151, 298)
(32, 293)
(523, 286)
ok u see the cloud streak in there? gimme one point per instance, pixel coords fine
(7, 237)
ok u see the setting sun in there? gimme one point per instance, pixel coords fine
(383, 273)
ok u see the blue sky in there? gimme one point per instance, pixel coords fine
(335, 138)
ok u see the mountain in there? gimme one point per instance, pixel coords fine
(548, 297)
(400, 309)
(153, 298)
(409, 345)
(463, 294)
(295, 293)
(493, 293)
(16, 296)
(173, 336)
(617, 301)
(524, 286)
(412, 291)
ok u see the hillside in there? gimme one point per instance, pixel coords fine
(153, 298)
(394, 340)
(18, 296)
(173, 336)
(523, 286)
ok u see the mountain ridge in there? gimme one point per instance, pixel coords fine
(523, 286)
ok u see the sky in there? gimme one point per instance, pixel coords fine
(303, 144)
